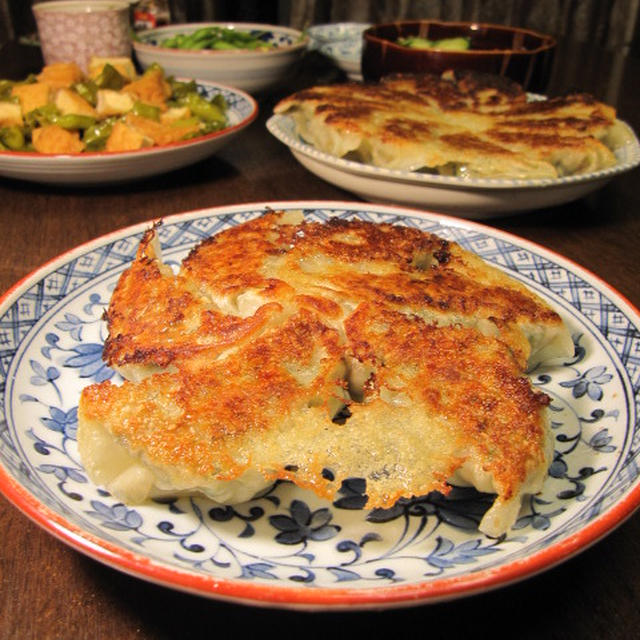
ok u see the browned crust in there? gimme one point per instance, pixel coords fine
(257, 388)
(156, 317)
(458, 118)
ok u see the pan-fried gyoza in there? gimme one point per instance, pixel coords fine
(459, 124)
(317, 352)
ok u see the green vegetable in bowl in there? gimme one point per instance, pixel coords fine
(217, 38)
(210, 111)
(12, 138)
(95, 136)
(447, 44)
(106, 111)
(41, 116)
(146, 110)
(73, 121)
(87, 90)
(179, 89)
(49, 114)
(110, 78)
(5, 89)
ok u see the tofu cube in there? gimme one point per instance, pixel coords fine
(124, 138)
(151, 88)
(10, 114)
(32, 96)
(54, 139)
(113, 103)
(61, 74)
(175, 113)
(124, 66)
(69, 102)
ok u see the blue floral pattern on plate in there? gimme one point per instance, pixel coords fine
(51, 332)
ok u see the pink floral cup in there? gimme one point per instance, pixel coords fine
(75, 30)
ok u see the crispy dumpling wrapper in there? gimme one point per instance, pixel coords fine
(317, 353)
(462, 123)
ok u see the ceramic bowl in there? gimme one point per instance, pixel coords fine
(102, 167)
(249, 70)
(342, 43)
(75, 30)
(519, 54)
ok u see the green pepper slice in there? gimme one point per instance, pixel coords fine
(145, 110)
(110, 78)
(12, 138)
(95, 136)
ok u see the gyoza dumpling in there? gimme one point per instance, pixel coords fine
(240, 364)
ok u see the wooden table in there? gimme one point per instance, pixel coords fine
(48, 590)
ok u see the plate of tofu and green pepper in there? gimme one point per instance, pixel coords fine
(111, 124)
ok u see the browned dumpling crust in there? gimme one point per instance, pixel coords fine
(312, 352)
(460, 124)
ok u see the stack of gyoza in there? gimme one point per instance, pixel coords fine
(318, 352)
(462, 124)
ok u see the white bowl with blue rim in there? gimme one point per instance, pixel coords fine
(246, 69)
(342, 43)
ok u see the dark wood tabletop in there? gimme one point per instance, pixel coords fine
(48, 590)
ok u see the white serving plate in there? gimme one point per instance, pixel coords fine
(315, 554)
(94, 168)
(465, 197)
(251, 71)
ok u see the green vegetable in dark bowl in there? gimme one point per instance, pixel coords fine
(446, 44)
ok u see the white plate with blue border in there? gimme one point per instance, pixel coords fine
(289, 548)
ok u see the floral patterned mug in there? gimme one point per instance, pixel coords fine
(75, 30)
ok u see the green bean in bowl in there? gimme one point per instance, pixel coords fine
(219, 38)
(252, 57)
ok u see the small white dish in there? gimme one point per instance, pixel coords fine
(342, 43)
(289, 548)
(464, 197)
(249, 70)
(95, 168)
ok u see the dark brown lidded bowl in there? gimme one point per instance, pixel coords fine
(522, 55)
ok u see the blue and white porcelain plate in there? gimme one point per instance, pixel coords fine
(474, 198)
(288, 547)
